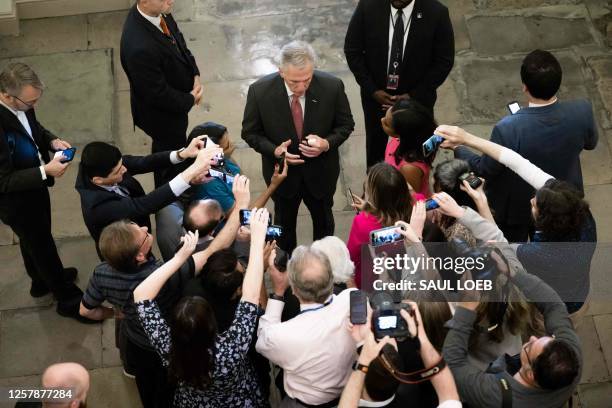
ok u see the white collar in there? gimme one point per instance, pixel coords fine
(406, 10)
(539, 105)
(290, 94)
(14, 111)
(366, 403)
(156, 21)
(112, 188)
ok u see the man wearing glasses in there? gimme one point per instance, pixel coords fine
(26, 170)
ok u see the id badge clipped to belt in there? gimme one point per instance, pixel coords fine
(393, 79)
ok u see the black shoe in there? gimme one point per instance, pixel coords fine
(70, 274)
(38, 290)
(71, 310)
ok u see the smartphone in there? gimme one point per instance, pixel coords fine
(385, 236)
(431, 145)
(472, 180)
(274, 233)
(514, 107)
(68, 154)
(359, 307)
(219, 160)
(431, 204)
(281, 162)
(281, 260)
(221, 175)
(245, 218)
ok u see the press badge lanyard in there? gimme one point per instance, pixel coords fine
(318, 307)
(393, 79)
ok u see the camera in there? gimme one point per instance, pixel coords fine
(480, 256)
(386, 317)
(472, 180)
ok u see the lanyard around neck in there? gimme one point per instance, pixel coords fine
(318, 307)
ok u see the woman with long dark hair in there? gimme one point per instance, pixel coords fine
(211, 369)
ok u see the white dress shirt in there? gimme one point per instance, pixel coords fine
(407, 21)
(315, 348)
(156, 21)
(23, 119)
(302, 99)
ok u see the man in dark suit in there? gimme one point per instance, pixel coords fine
(397, 49)
(164, 78)
(26, 172)
(303, 115)
(549, 133)
(109, 192)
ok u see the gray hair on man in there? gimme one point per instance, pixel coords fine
(297, 53)
(15, 76)
(310, 275)
(338, 254)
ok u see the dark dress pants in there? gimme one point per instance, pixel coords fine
(31, 222)
(376, 138)
(151, 376)
(286, 212)
(167, 142)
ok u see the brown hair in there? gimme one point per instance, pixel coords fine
(388, 194)
(118, 245)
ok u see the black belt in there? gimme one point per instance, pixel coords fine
(330, 404)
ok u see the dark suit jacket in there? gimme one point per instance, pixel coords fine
(161, 79)
(551, 137)
(19, 174)
(268, 122)
(428, 56)
(101, 207)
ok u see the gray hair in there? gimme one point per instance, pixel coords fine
(298, 54)
(306, 285)
(339, 258)
(16, 76)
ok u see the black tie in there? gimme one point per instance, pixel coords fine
(397, 44)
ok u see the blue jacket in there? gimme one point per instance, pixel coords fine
(551, 137)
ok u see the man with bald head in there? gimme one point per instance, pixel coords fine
(313, 375)
(68, 376)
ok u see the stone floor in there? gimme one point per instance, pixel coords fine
(235, 42)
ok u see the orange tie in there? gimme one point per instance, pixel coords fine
(164, 26)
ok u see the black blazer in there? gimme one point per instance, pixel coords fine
(101, 207)
(268, 122)
(16, 176)
(428, 57)
(161, 78)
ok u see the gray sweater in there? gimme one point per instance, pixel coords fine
(482, 389)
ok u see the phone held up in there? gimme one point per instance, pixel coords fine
(68, 154)
(384, 236)
(431, 145)
(514, 107)
(358, 307)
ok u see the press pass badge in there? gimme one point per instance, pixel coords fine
(393, 79)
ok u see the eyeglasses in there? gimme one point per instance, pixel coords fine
(527, 349)
(144, 240)
(28, 104)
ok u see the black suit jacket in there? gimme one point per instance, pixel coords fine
(268, 122)
(429, 53)
(161, 78)
(101, 207)
(16, 177)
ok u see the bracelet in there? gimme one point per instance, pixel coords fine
(178, 154)
(276, 297)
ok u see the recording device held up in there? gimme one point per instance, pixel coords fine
(386, 317)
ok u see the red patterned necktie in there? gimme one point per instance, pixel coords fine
(298, 117)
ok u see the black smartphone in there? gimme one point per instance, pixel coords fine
(353, 199)
(514, 107)
(281, 260)
(281, 162)
(68, 154)
(431, 204)
(245, 217)
(274, 233)
(431, 145)
(385, 236)
(221, 175)
(472, 180)
(359, 307)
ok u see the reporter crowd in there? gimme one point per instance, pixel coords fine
(230, 311)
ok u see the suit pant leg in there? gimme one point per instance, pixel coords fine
(323, 224)
(285, 215)
(376, 138)
(32, 224)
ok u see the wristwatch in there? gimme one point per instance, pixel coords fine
(360, 367)
(276, 297)
(178, 153)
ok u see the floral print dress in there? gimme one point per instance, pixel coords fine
(235, 383)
